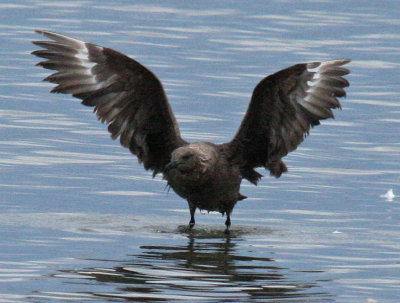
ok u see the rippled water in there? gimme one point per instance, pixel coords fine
(80, 220)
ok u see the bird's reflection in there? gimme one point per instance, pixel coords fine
(207, 266)
(209, 255)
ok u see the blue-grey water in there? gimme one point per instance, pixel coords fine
(80, 220)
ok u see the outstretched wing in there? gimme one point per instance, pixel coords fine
(125, 94)
(283, 108)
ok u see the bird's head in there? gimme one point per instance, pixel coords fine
(191, 161)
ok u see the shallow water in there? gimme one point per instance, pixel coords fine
(80, 220)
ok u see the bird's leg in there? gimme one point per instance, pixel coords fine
(192, 209)
(227, 223)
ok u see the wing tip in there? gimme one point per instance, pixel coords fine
(36, 42)
(341, 61)
(333, 62)
(44, 32)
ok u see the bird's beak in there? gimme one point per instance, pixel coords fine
(171, 165)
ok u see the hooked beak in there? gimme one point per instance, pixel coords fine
(171, 165)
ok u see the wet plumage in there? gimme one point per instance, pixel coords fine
(131, 100)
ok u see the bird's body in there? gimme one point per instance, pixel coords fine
(202, 173)
(131, 99)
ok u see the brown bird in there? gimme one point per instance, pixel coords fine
(131, 100)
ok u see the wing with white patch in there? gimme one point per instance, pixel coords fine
(283, 108)
(125, 94)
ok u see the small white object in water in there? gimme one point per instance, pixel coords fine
(336, 232)
(389, 195)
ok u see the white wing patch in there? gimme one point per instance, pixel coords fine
(83, 56)
(79, 50)
(324, 86)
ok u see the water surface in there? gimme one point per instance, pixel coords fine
(81, 221)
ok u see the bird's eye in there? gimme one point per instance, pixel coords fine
(186, 157)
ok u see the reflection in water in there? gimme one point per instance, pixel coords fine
(206, 268)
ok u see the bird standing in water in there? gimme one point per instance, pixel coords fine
(131, 100)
